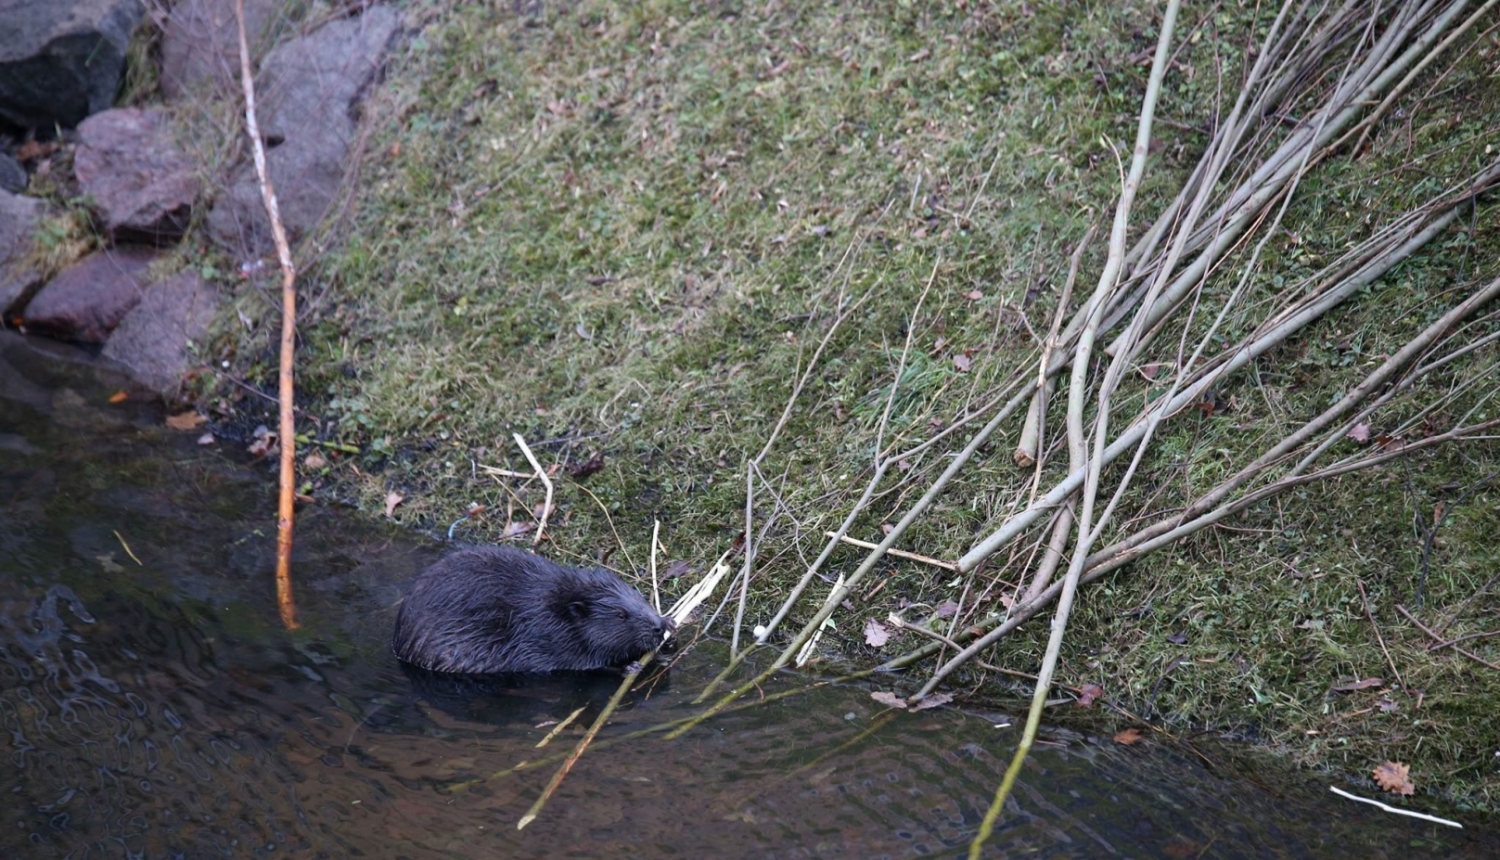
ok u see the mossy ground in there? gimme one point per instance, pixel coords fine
(623, 229)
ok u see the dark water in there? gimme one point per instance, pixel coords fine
(151, 706)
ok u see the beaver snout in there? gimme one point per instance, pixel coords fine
(668, 630)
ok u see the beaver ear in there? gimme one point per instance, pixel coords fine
(577, 610)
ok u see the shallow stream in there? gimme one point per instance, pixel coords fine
(151, 705)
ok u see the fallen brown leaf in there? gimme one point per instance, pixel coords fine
(32, 150)
(516, 529)
(263, 445)
(962, 362)
(1128, 737)
(314, 461)
(876, 634)
(185, 421)
(933, 701)
(119, 397)
(889, 699)
(1359, 432)
(392, 499)
(1088, 693)
(1392, 776)
(587, 467)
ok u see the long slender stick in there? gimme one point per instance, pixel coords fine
(541, 521)
(1108, 281)
(583, 743)
(286, 390)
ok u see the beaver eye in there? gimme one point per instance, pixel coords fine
(624, 614)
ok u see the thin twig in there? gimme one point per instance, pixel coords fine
(588, 737)
(287, 477)
(541, 521)
(1437, 638)
(1365, 598)
(899, 553)
(1395, 810)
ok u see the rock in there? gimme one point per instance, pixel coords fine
(18, 221)
(152, 340)
(89, 299)
(200, 48)
(142, 184)
(310, 87)
(12, 175)
(61, 60)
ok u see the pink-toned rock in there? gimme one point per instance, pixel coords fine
(200, 48)
(153, 339)
(89, 299)
(18, 223)
(142, 184)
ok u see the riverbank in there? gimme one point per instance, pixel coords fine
(624, 233)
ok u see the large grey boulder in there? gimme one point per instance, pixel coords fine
(61, 60)
(142, 185)
(307, 89)
(153, 339)
(200, 44)
(87, 300)
(18, 223)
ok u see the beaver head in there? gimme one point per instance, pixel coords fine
(610, 623)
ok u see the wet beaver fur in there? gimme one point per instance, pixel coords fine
(497, 609)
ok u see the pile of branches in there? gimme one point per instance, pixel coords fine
(1316, 86)
(1318, 83)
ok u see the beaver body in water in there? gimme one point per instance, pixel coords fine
(497, 609)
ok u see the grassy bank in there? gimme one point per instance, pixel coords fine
(623, 231)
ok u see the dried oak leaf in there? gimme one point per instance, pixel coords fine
(889, 699)
(962, 362)
(1359, 432)
(1392, 776)
(1128, 737)
(876, 634)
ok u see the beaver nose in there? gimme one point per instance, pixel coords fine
(668, 630)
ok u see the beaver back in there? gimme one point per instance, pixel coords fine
(498, 609)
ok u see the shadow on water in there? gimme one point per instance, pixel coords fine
(151, 706)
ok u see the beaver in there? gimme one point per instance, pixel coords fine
(496, 609)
